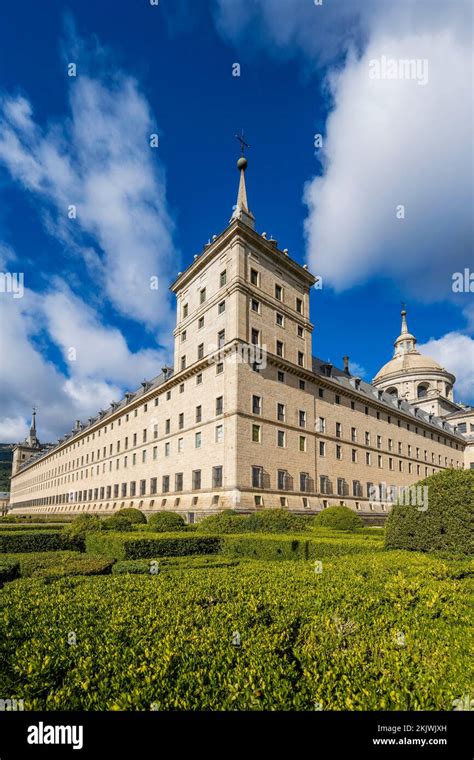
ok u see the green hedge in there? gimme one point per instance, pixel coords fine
(446, 525)
(22, 541)
(227, 521)
(59, 563)
(339, 517)
(166, 522)
(271, 547)
(276, 521)
(17, 527)
(145, 567)
(9, 570)
(138, 546)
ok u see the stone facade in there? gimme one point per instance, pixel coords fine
(247, 418)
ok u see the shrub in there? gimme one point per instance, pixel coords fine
(447, 523)
(134, 515)
(21, 541)
(227, 521)
(339, 518)
(265, 547)
(145, 566)
(83, 524)
(308, 639)
(9, 570)
(117, 522)
(276, 521)
(138, 546)
(166, 522)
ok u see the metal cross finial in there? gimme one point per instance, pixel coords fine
(242, 142)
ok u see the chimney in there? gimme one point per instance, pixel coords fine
(345, 359)
(328, 369)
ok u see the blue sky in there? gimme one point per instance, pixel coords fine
(167, 69)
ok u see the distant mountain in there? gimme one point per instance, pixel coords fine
(6, 457)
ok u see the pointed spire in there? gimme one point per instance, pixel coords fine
(406, 342)
(241, 209)
(32, 439)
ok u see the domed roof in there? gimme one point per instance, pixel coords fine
(405, 362)
(407, 358)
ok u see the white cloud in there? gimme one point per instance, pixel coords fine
(386, 142)
(455, 351)
(103, 369)
(100, 161)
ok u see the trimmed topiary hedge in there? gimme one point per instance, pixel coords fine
(447, 523)
(227, 521)
(339, 517)
(9, 570)
(154, 567)
(135, 516)
(166, 522)
(21, 541)
(138, 546)
(276, 521)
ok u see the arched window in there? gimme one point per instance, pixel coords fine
(393, 392)
(422, 390)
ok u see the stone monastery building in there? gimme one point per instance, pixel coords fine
(248, 418)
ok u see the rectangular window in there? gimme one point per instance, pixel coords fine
(256, 405)
(200, 323)
(281, 438)
(217, 477)
(219, 433)
(153, 485)
(255, 305)
(185, 310)
(199, 379)
(133, 488)
(304, 484)
(165, 484)
(257, 477)
(280, 376)
(338, 429)
(167, 449)
(219, 368)
(321, 392)
(219, 404)
(353, 434)
(124, 490)
(202, 295)
(302, 443)
(278, 292)
(197, 440)
(144, 436)
(254, 277)
(167, 426)
(281, 412)
(196, 480)
(221, 307)
(180, 445)
(198, 413)
(155, 432)
(183, 336)
(144, 455)
(279, 319)
(155, 452)
(178, 481)
(142, 487)
(322, 448)
(279, 348)
(181, 421)
(300, 358)
(256, 433)
(337, 399)
(299, 305)
(281, 480)
(223, 278)
(255, 336)
(379, 441)
(183, 362)
(338, 451)
(221, 339)
(200, 351)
